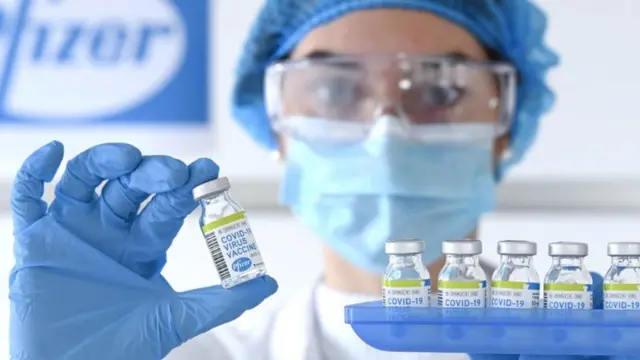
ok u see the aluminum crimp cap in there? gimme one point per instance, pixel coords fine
(210, 187)
(462, 247)
(567, 248)
(517, 247)
(404, 247)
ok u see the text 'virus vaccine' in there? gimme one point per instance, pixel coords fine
(622, 281)
(407, 282)
(568, 284)
(515, 284)
(462, 282)
(229, 238)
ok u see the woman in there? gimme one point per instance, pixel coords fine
(395, 118)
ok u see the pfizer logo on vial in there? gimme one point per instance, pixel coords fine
(241, 264)
(97, 60)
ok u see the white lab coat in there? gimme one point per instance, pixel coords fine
(288, 332)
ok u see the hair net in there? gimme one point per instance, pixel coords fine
(513, 28)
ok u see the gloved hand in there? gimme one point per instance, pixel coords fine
(597, 304)
(86, 283)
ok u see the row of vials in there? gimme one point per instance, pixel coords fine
(515, 284)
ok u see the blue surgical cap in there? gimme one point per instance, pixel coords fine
(513, 28)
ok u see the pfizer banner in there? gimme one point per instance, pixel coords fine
(99, 61)
(157, 74)
(85, 72)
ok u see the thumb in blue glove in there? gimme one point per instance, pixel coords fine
(83, 286)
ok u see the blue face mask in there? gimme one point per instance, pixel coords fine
(357, 196)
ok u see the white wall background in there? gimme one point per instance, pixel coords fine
(591, 135)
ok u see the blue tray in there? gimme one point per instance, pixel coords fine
(496, 331)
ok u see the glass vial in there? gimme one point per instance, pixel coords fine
(515, 284)
(568, 284)
(407, 282)
(462, 282)
(622, 281)
(229, 238)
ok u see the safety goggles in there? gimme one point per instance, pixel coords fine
(343, 97)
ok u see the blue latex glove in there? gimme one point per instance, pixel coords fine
(87, 283)
(597, 304)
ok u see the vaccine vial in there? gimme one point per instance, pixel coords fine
(515, 284)
(622, 281)
(227, 233)
(462, 283)
(568, 284)
(407, 282)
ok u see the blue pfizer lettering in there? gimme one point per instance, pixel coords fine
(108, 44)
(105, 60)
(241, 264)
(111, 43)
(148, 34)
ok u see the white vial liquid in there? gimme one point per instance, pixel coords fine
(515, 284)
(568, 284)
(407, 282)
(622, 281)
(462, 282)
(229, 238)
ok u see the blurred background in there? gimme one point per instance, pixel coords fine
(158, 74)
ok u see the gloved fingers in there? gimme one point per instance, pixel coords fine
(41, 166)
(87, 170)
(176, 205)
(155, 174)
(162, 218)
(198, 311)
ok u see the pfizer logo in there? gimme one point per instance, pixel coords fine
(241, 264)
(83, 59)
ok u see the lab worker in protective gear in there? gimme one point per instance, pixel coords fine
(394, 118)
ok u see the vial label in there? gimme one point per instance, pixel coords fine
(621, 296)
(462, 294)
(232, 245)
(406, 293)
(568, 296)
(515, 295)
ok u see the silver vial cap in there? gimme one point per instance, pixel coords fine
(462, 247)
(517, 247)
(404, 247)
(623, 249)
(210, 187)
(567, 248)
